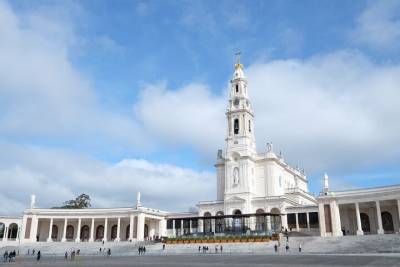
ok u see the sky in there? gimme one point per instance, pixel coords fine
(110, 98)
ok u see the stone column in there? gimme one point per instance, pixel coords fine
(34, 228)
(78, 233)
(190, 226)
(140, 227)
(308, 222)
(162, 227)
(131, 228)
(64, 237)
(321, 219)
(91, 239)
(173, 228)
(105, 229)
(182, 227)
(5, 238)
(118, 230)
(359, 228)
(297, 222)
(379, 216)
(398, 211)
(50, 230)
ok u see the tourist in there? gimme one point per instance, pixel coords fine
(66, 255)
(33, 252)
(38, 256)
(73, 255)
(28, 251)
(100, 250)
(287, 247)
(300, 247)
(109, 252)
(144, 250)
(5, 256)
(276, 247)
(221, 248)
(199, 248)
(216, 249)
(163, 247)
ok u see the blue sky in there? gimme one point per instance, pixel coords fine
(118, 92)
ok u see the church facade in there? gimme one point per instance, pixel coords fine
(257, 194)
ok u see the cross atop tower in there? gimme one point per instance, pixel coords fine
(238, 65)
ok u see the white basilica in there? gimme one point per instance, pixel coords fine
(257, 194)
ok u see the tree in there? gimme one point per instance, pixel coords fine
(80, 202)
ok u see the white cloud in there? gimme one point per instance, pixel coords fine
(42, 94)
(330, 112)
(378, 26)
(188, 116)
(55, 176)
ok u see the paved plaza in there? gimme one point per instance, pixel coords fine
(217, 260)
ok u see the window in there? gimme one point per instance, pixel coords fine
(237, 88)
(249, 126)
(236, 126)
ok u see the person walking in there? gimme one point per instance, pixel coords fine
(287, 247)
(221, 248)
(300, 247)
(5, 256)
(38, 256)
(276, 247)
(216, 249)
(163, 247)
(109, 252)
(66, 255)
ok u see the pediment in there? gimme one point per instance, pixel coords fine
(235, 199)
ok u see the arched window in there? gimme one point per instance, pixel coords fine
(237, 88)
(12, 231)
(249, 126)
(54, 232)
(114, 230)
(100, 232)
(207, 223)
(236, 126)
(220, 223)
(70, 232)
(85, 233)
(365, 226)
(387, 221)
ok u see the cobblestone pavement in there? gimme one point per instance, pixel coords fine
(215, 260)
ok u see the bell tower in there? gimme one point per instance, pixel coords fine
(236, 171)
(240, 136)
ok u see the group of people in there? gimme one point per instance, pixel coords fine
(204, 249)
(142, 250)
(72, 255)
(9, 256)
(287, 248)
(107, 251)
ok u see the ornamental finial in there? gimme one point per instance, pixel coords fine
(238, 64)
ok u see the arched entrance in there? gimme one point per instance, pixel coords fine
(207, 223)
(54, 232)
(128, 228)
(100, 232)
(276, 223)
(70, 232)
(387, 222)
(114, 230)
(237, 221)
(2, 230)
(220, 223)
(260, 220)
(146, 231)
(85, 233)
(365, 226)
(12, 231)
